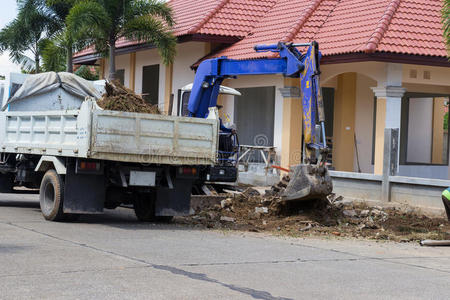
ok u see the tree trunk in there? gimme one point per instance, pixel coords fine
(69, 61)
(112, 59)
(37, 63)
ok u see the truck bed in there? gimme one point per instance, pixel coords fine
(110, 135)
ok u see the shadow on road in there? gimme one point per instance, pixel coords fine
(21, 203)
(25, 191)
(123, 218)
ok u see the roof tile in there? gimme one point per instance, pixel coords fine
(340, 26)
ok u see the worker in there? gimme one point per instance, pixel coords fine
(446, 200)
(222, 127)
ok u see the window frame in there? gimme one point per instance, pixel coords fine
(405, 124)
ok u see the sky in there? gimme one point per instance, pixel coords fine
(8, 11)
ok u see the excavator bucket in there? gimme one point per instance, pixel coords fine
(307, 182)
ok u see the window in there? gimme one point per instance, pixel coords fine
(150, 83)
(424, 133)
(120, 75)
(183, 101)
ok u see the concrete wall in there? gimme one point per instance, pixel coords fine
(404, 190)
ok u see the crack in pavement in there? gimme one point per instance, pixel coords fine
(256, 294)
(388, 260)
(72, 271)
(298, 260)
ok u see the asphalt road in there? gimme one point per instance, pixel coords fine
(113, 256)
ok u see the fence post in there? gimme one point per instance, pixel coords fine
(390, 161)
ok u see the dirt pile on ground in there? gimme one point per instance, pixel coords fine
(250, 211)
(118, 97)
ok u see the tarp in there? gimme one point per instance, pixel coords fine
(45, 82)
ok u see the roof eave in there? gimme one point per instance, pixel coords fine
(439, 61)
(88, 58)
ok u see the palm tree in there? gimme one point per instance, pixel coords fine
(54, 55)
(62, 44)
(25, 33)
(103, 22)
(446, 21)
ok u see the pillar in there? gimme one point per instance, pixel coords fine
(438, 130)
(132, 70)
(388, 115)
(344, 123)
(168, 89)
(291, 139)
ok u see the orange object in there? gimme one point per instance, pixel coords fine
(280, 168)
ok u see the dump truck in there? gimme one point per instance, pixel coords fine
(83, 159)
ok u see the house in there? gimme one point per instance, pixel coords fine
(384, 65)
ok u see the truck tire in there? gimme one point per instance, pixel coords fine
(51, 198)
(6, 183)
(144, 209)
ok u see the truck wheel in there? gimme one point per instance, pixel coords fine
(6, 183)
(51, 196)
(144, 208)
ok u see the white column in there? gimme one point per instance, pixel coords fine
(393, 96)
(389, 113)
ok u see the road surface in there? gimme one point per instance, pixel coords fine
(113, 256)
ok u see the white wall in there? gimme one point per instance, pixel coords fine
(147, 58)
(187, 54)
(437, 75)
(122, 62)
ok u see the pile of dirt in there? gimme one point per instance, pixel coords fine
(251, 211)
(118, 97)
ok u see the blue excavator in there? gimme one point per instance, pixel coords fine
(310, 179)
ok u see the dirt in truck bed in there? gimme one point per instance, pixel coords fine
(249, 211)
(118, 97)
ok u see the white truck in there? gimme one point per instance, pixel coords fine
(53, 136)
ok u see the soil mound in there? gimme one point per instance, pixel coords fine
(251, 211)
(118, 97)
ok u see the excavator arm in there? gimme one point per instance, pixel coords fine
(311, 178)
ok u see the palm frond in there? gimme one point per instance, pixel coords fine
(54, 54)
(26, 63)
(156, 8)
(446, 21)
(148, 28)
(88, 18)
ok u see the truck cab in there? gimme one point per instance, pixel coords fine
(225, 170)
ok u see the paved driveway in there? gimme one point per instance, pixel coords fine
(113, 256)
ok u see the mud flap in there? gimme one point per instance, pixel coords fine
(308, 182)
(176, 201)
(83, 193)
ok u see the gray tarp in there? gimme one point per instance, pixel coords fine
(46, 82)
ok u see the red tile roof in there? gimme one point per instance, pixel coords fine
(340, 26)
(229, 18)
(350, 26)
